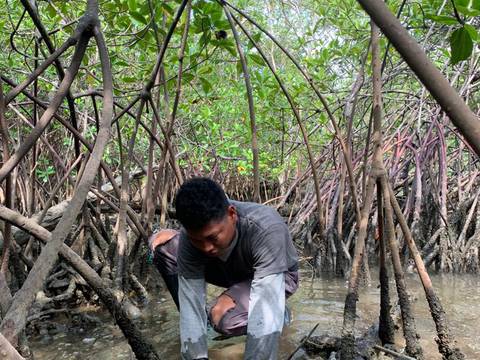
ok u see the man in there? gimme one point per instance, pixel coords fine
(244, 247)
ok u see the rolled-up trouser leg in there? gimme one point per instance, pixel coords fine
(234, 321)
(165, 259)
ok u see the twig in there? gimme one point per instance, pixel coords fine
(303, 342)
(394, 353)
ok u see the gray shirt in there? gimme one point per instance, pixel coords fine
(262, 246)
(262, 250)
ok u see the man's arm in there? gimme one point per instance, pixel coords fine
(265, 317)
(193, 318)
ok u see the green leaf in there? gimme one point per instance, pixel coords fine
(472, 31)
(221, 24)
(476, 4)
(226, 44)
(206, 85)
(121, 62)
(204, 70)
(239, 68)
(132, 5)
(463, 3)
(442, 19)
(217, 14)
(144, 9)
(51, 11)
(231, 49)
(90, 80)
(205, 38)
(257, 59)
(187, 77)
(461, 45)
(129, 79)
(110, 7)
(85, 59)
(468, 11)
(201, 23)
(138, 17)
(256, 37)
(167, 9)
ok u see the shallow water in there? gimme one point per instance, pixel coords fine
(317, 301)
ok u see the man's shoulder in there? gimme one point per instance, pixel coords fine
(189, 258)
(262, 217)
(185, 247)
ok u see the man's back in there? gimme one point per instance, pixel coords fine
(262, 246)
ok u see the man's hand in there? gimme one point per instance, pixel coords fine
(160, 238)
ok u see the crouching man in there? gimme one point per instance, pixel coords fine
(241, 246)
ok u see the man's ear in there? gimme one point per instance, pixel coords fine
(232, 212)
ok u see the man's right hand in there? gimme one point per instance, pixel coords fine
(161, 238)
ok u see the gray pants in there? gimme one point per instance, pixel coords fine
(234, 322)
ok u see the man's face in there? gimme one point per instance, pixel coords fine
(213, 239)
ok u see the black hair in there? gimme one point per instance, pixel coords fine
(199, 201)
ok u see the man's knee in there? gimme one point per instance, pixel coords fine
(223, 305)
(161, 238)
(225, 319)
(165, 256)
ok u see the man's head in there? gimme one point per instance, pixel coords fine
(207, 216)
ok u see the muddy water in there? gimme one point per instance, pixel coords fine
(318, 301)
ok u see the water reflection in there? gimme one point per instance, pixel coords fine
(318, 301)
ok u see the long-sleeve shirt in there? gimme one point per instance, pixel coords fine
(262, 250)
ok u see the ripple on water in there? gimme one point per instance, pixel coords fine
(318, 301)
